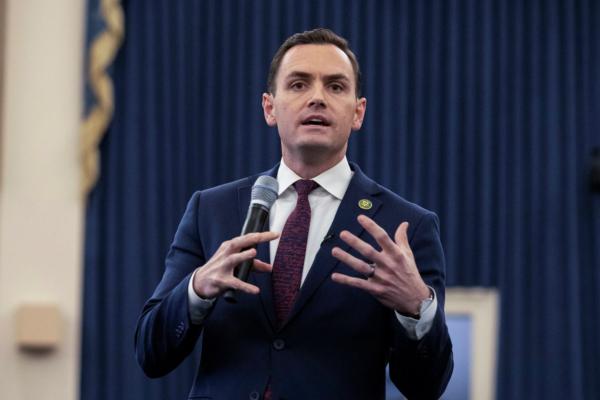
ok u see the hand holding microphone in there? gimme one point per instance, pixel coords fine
(217, 275)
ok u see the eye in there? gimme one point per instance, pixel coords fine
(337, 87)
(297, 85)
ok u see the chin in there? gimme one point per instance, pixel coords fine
(318, 152)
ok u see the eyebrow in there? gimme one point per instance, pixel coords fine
(306, 75)
(298, 74)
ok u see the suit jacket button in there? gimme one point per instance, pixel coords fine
(254, 395)
(279, 344)
(423, 353)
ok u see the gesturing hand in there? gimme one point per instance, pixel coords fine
(216, 276)
(392, 276)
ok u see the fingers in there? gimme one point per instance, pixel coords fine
(388, 245)
(356, 264)
(262, 266)
(258, 237)
(249, 240)
(401, 236)
(361, 246)
(216, 275)
(237, 284)
(396, 282)
(243, 286)
(351, 281)
(237, 258)
(377, 232)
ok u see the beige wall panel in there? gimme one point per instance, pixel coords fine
(40, 205)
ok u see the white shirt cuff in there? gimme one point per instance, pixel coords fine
(417, 328)
(198, 307)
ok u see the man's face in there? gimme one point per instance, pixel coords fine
(315, 106)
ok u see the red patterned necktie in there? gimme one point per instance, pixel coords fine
(289, 260)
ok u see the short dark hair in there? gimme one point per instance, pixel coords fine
(315, 36)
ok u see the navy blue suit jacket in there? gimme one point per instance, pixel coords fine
(338, 339)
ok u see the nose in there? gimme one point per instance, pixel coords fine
(317, 98)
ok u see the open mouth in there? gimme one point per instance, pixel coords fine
(316, 121)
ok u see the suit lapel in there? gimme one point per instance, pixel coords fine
(361, 188)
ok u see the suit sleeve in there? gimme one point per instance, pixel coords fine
(165, 335)
(421, 369)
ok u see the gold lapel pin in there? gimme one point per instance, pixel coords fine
(365, 204)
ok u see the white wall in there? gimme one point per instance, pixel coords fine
(40, 203)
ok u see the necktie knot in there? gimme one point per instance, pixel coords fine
(304, 187)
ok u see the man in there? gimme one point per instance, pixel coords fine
(363, 286)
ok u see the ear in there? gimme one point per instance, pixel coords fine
(268, 109)
(359, 113)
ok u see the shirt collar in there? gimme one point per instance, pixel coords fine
(335, 180)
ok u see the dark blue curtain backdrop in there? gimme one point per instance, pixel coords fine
(484, 111)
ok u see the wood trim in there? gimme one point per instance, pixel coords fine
(482, 306)
(2, 63)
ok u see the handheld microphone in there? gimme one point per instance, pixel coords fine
(264, 194)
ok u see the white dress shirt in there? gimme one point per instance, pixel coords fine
(324, 203)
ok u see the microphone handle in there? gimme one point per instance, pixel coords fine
(255, 222)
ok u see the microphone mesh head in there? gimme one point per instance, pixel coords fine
(264, 191)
